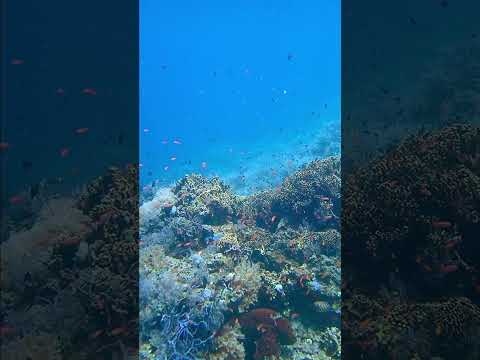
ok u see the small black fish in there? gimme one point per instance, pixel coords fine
(27, 165)
(27, 279)
(34, 190)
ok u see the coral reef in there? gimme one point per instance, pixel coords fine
(228, 345)
(242, 272)
(210, 201)
(411, 221)
(71, 277)
(269, 329)
(35, 347)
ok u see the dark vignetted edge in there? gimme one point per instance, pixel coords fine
(67, 67)
(409, 69)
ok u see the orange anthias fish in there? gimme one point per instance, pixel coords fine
(446, 269)
(64, 152)
(17, 62)
(6, 330)
(89, 91)
(441, 224)
(82, 130)
(17, 199)
(173, 158)
(177, 142)
(118, 331)
(4, 146)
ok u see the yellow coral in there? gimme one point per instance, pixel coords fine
(229, 346)
(247, 283)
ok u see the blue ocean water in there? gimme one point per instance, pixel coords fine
(245, 90)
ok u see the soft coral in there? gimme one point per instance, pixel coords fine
(270, 330)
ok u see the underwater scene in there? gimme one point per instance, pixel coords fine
(240, 180)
